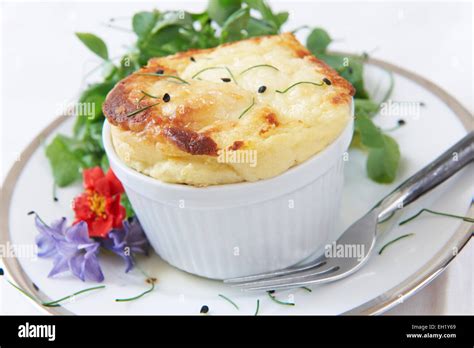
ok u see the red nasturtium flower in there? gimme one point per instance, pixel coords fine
(99, 205)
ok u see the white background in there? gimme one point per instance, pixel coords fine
(43, 67)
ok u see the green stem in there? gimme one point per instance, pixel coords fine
(247, 109)
(214, 68)
(55, 303)
(299, 83)
(229, 300)
(259, 66)
(164, 75)
(138, 296)
(149, 95)
(464, 218)
(393, 241)
(307, 289)
(140, 110)
(274, 299)
(258, 307)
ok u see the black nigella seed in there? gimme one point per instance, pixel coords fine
(271, 291)
(204, 309)
(192, 59)
(350, 70)
(35, 286)
(31, 212)
(166, 98)
(225, 79)
(262, 89)
(327, 81)
(160, 72)
(1, 272)
(401, 122)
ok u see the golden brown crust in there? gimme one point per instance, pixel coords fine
(191, 128)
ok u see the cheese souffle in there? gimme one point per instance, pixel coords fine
(183, 118)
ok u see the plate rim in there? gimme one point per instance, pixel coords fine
(385, 301)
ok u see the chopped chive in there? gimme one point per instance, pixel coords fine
(138, 296)
(140, 110)
(23, 292)
(258, 307)
(163, 75)
(55, 303)
(464, 218)
(259, 66)
(148, 94)
(299, 83)
(247, 109)
(274, 299)
(229, 300)
(307, 289)
(393, 241)
(214, 68)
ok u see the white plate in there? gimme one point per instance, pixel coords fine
(386, 280)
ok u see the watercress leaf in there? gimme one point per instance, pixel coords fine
(370, 134)
(258, 27)
(265, 11)
(382, 163)
(365, 107)
(95, 44)
(127, 205)
(282, 17)
(221, 10)
(64, 163)
(234, 26)
(318, 41)
(104, 163)
(351, 68)
(144, 22)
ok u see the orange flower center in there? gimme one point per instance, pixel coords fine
(97, 204)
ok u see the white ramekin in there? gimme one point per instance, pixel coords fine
(240, 229)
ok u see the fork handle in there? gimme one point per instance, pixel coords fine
(442, 168)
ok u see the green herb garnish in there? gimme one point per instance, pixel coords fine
(393, 241)
(300, 83)
(247, 109)
(150, 281)
(259, 66)
(464, 218)
(167, 76)
(149, 95)
(140, 110)
(307, 289)
(258, 307)
(274, 299)
(215, 68)
(54, 303)
(229, 300)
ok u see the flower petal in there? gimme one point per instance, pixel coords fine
(92, 270)
(116, 186)
(60, 265)
(91, 175)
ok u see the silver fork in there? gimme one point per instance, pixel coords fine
(362, 233)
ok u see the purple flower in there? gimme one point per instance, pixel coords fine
(127, 241)
(71, 249)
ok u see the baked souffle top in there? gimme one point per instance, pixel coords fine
(242, 111)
